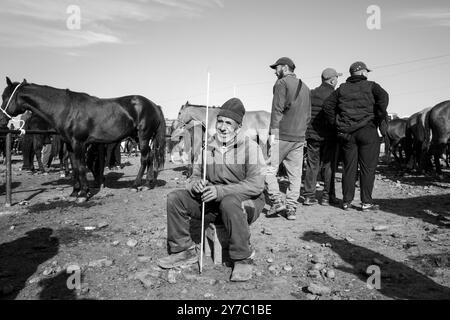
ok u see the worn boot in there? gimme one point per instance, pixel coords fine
(181, 259)
(243, 269)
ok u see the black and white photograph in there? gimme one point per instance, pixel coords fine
(225, 155)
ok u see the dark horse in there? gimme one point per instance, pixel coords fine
(395, 139)
(440, 128)
(82, 119)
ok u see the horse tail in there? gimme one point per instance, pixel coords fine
(159, 143)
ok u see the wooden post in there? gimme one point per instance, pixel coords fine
(8, 170)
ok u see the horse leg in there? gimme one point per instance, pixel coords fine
(99, 167)
(143, 143)
(38, 146)
(79, 152)
(152, 170)
(76, 179)
(438, 150)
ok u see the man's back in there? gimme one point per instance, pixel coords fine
(289, 116)
(318, 128)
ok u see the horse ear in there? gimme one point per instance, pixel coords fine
(8, 81)
(25, 81)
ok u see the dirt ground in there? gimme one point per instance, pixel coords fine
(117, 236)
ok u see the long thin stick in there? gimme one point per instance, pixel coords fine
(205, 152)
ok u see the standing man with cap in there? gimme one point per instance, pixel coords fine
(321, 148)
(291, 112)
(356, 108)
(233, 194)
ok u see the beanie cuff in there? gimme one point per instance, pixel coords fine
(230, 114)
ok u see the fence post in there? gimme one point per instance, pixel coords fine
(8, 170)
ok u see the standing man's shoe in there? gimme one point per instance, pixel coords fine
(346, 206)
(310, 202)
(291, 214)
(181, 259)
(277, 207)
(366, 207)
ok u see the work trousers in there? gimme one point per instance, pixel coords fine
(321, 158)
(360, 147)
(291, 155)
(234, 212)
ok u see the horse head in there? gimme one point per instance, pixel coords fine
(12, 104)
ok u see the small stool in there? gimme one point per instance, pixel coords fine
(216, 237)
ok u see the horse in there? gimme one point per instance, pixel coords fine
(254, 125)
(439, 122)
(188, 144)
(395, 139)
(59, 150)
(418, 140)
(82, 119)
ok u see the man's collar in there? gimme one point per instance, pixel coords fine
(215, 143)
(356, 78)
(326, 84)
(290, 74)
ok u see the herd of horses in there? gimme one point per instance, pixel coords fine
(412, 141)
(425, 135)
(85, 124)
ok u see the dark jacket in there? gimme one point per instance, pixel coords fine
(319, 129)
(355, 104)
(290, 119)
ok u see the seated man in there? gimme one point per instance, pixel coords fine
(233, 191)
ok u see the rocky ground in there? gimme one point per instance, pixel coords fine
(114, 240)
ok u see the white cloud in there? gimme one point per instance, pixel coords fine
(431, 17)
(27, 23)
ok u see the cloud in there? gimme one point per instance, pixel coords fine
(27, 23)
(430, 17)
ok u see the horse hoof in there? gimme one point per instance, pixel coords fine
(71, 199)
(81, 200)
(145, 188)
(134, 189)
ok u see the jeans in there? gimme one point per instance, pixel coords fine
(182, 206)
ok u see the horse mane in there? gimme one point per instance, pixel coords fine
(188, 105)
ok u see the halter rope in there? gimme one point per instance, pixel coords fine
(22, 131)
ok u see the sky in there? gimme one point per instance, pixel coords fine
(164, 49)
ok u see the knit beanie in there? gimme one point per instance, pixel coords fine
(233, 109)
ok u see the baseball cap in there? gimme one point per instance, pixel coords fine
(357, 66)
(283, 61)
(329, 73)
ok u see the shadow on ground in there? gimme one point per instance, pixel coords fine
(20, 259)
(431, 209)
(398, 281)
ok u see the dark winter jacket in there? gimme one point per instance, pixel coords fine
(355, 104)
(319, 129)
(290, 118)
